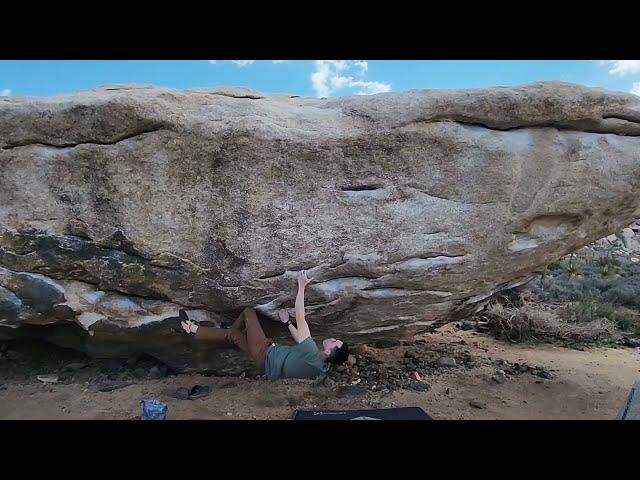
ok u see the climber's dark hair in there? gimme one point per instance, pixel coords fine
(339, 355)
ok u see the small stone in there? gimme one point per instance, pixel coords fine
(419, 387)
(74, 367)
(612, 238)
(467, 358)
(341, 368)
(2, 387)
(155, 373)
(229, 414)
(446, 392)
(446, 362)
(387, 343)
(351, 361)
(477, 404)
(630, 342)
(140, 372)
(115, 385)
(467, 325)
(359, 349)
(499, 377)
(416, 376)
(50, 378)
(328, 382)
(545, 374)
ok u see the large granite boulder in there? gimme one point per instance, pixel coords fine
(121, 205)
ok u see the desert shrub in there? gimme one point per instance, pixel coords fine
(625, 292)
(613, 281)
(570, 267)
(609, 266)
(587, 297)
(538, 322)
(589, 309)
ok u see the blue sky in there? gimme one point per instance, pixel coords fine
(318, 78)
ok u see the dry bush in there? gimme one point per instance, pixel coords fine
(532, 322)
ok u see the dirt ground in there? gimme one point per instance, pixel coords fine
(589, 384)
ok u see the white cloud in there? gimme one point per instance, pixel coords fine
(340, 82)
(213, 61)
(242, 63)
(326, 78)
(5, 93)
(340, 65)
(280, 61)
(372, 87)
(636, 88)
(349, 82)
(320, 77)
(362, 65)
(621, 68)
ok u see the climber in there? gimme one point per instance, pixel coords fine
(303, 360)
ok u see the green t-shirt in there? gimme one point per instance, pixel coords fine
(303, 360)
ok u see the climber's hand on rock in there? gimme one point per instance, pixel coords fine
(303, 280)
(284, 315)
(189, 326)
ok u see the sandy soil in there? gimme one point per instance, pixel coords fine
(589, 384)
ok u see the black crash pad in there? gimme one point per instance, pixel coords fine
(404, 413)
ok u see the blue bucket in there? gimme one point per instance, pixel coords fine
(153, 410)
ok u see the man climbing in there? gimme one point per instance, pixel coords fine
(303, 360)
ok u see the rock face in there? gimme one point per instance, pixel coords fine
(120, 205)
(625, 242)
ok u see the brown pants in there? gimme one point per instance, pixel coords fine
(245, 333)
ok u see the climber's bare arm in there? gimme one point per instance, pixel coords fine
(303, 329)
(284, 318)
(299, 331)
